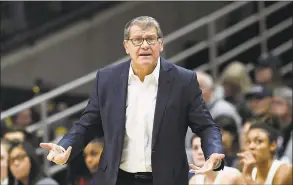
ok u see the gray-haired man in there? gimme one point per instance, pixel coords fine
(142, 108)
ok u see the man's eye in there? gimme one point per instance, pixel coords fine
(138, 39)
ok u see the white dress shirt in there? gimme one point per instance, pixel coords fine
(140, 110)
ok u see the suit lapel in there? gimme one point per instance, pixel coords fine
(164, 89)
(120, 95)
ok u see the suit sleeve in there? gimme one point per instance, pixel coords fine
(88, 126)
(202, 123)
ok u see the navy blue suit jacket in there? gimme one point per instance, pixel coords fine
(179, 105)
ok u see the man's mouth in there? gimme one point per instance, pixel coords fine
(145, 54)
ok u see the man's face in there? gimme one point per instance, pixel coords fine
(145, 55)
(263, 75)
(279, 107)
(206, 91)
(259, 105)
(197, 153)
(92, 154)
(24, 118)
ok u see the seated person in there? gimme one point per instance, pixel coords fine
(229, 138)
(91, 153)
(4, 162)
(258, 163)
(16, 133)
(24, 167)
(226, 176)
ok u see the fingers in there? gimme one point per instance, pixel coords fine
(59, 157)
(201, 171)
(220, 156)
(51, 155)
(217, 156)
(48, 146)
(198, 170)
(194, 167)
(68, 152)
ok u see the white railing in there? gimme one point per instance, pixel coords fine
(214, 60)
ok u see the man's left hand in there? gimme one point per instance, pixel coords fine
(209, 165)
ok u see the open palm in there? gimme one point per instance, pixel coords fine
(57, 154)
(209, 165)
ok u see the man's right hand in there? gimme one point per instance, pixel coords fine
(57, 154)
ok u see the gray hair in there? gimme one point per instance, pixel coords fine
(207, 79)
(144, 22)
(285, 93)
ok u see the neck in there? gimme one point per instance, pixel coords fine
(263, 168)
(142, 71)
(24, 181)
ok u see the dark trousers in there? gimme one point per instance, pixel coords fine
(143, 178)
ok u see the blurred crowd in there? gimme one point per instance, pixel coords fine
(254, 113)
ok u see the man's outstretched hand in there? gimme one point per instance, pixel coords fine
(57, 154)
(209, 165)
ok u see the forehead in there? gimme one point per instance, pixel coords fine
(17, 151)
(92, 146)
(260, 133)
(279, 99)
(196, 141)
(137, 30)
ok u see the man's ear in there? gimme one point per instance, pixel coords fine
(126, 47)
(161, 46)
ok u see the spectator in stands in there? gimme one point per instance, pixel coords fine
(258, 163)
(217, 106)
(4, 162)
(282, 108)
(226, 176)
(17, 133)
(23, 118)
(92, 153)
(267, 71)
(259, 100)
(268, 119)
(24, 167)
(229, 138)
(236, 82)
(14, 133)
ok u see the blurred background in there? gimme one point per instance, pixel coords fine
(50, 52)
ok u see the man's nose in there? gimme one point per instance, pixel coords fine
(145, 44)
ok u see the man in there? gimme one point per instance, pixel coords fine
(259, 99)
(216, 106)
(143, 108)
(267, 71)
(282, 108)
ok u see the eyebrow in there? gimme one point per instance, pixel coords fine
(19, 154)
(147, 35)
